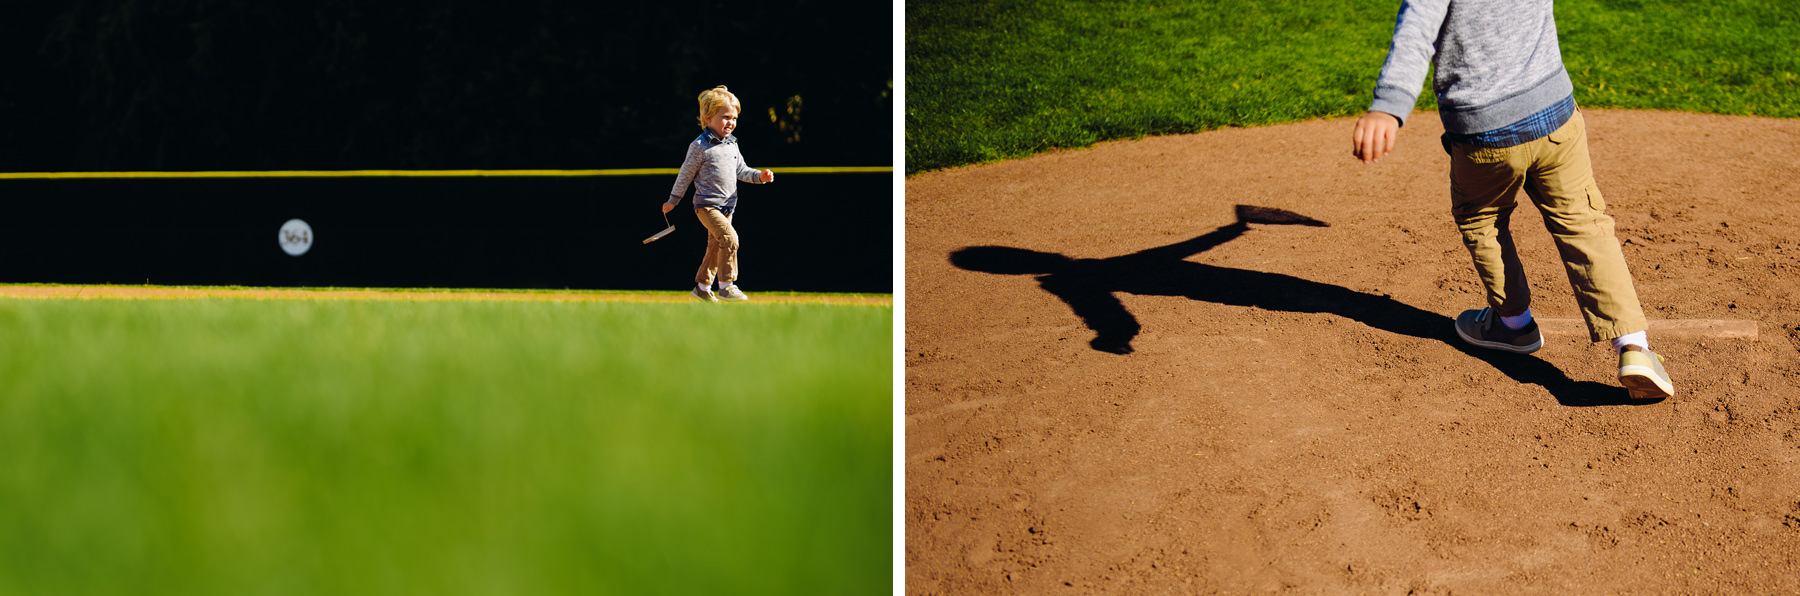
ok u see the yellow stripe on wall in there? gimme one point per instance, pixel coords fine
(410, 173)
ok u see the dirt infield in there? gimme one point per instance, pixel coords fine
(1117, 380)
(128, 292)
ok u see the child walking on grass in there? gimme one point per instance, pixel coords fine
(1511, 124)
(714, 167)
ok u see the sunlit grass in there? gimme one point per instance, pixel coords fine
(999, 79)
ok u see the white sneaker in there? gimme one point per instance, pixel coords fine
(731, 293)
(1641, 372)
(704, 293)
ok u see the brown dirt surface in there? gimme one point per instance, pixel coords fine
(1113, 386)
(129, 292)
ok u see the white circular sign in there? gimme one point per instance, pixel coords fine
(296, 237)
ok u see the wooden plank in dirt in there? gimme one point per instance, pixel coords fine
(1720, 328)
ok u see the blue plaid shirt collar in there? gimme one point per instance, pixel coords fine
(713, 139)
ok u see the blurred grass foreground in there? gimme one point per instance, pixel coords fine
(228, 446)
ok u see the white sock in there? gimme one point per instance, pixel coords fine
(1638, 339)
(1518, 322)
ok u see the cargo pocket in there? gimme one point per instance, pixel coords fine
(1595, 199)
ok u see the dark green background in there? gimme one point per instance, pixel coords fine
(440, 84)
(186, 85)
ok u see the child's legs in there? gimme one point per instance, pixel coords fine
(721, 248)
(1562, 185)
(1484, 187)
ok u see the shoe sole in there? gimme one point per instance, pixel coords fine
(746, 298)
(703, 298)
(1504, 347)
(1643, 383)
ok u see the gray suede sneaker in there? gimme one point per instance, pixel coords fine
(703, 293)
(1483, 328)
(731, 293)
(1641, 372)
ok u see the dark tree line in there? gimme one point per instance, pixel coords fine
(441, 84)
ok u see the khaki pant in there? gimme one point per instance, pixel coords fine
(721, 248)
(1555, 172)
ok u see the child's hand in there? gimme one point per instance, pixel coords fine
(768, 176)
(667, 207)
(1374, 136)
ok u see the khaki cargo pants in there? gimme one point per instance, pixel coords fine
(721, 248)
(1555, 172)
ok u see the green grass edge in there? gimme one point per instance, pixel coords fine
(583, 292)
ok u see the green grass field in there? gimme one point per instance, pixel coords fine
(999, 79)
(235, 446)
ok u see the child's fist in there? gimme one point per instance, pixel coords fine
(768, 176)
(667, 207)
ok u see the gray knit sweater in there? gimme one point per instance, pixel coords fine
(714, 166)
(1496, 61)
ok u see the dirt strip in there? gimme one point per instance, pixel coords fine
(1225, 363)
(126, 292)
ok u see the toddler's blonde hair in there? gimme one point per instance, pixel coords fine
(715, 99)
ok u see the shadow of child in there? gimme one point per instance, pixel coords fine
(1089, 287)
